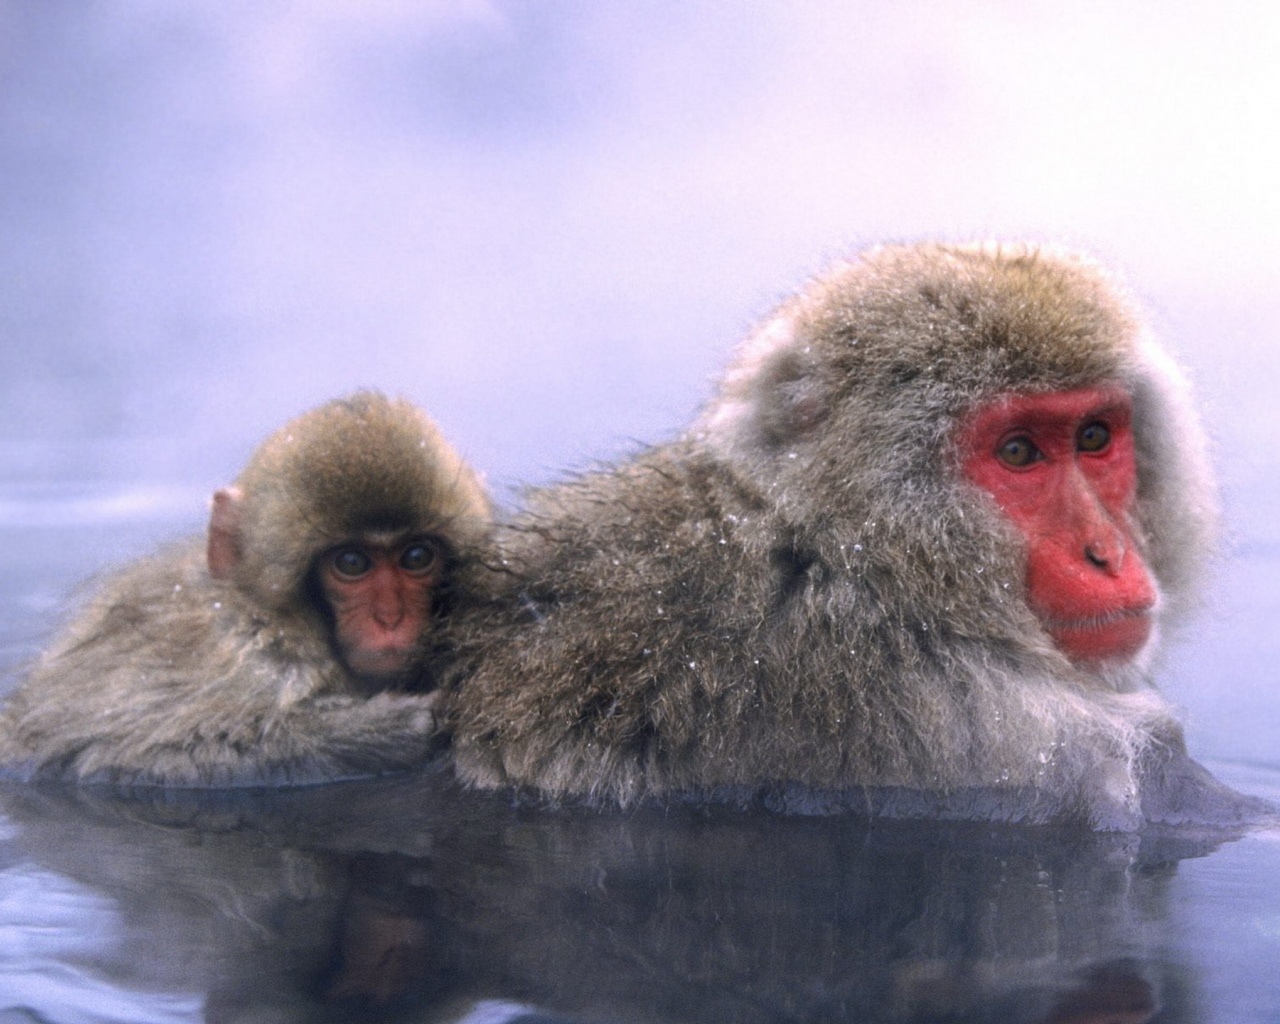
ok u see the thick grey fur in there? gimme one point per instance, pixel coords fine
(801, 595)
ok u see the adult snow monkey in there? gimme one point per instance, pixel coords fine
(916, 556)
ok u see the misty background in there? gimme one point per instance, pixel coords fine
(548, 223)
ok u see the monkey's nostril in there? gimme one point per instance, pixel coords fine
(1094, 558)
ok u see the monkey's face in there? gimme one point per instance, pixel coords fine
(1061, 467)
(381, 597)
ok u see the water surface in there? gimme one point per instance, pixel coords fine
(404, 899)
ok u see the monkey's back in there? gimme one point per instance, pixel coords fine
(614, 703)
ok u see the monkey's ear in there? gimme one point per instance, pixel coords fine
(790, 402)
(224, 532)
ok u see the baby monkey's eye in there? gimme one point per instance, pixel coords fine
(420, 557)
(350, 562)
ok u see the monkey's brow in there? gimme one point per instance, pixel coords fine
(383, 536)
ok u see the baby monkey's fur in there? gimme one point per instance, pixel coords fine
(171, 676)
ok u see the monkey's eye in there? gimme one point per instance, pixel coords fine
(1018, 452)
(350, 562)
(1093, 437)
(419, 558)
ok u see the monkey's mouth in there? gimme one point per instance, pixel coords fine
(377, 663)
(1115, 635)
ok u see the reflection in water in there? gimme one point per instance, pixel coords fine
(49, 927)
(402, 899)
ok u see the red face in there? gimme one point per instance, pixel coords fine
(1061, 467)
(381, 597)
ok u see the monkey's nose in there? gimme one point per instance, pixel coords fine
(1105, 554)
(1097, 532)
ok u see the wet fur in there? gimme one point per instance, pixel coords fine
(802, 592)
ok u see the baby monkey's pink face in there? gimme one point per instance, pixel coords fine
(381, 596)
(1061, 466)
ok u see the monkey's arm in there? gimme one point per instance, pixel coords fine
(197, 731)
(317, 740)
(330, 737)
(167, 678)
